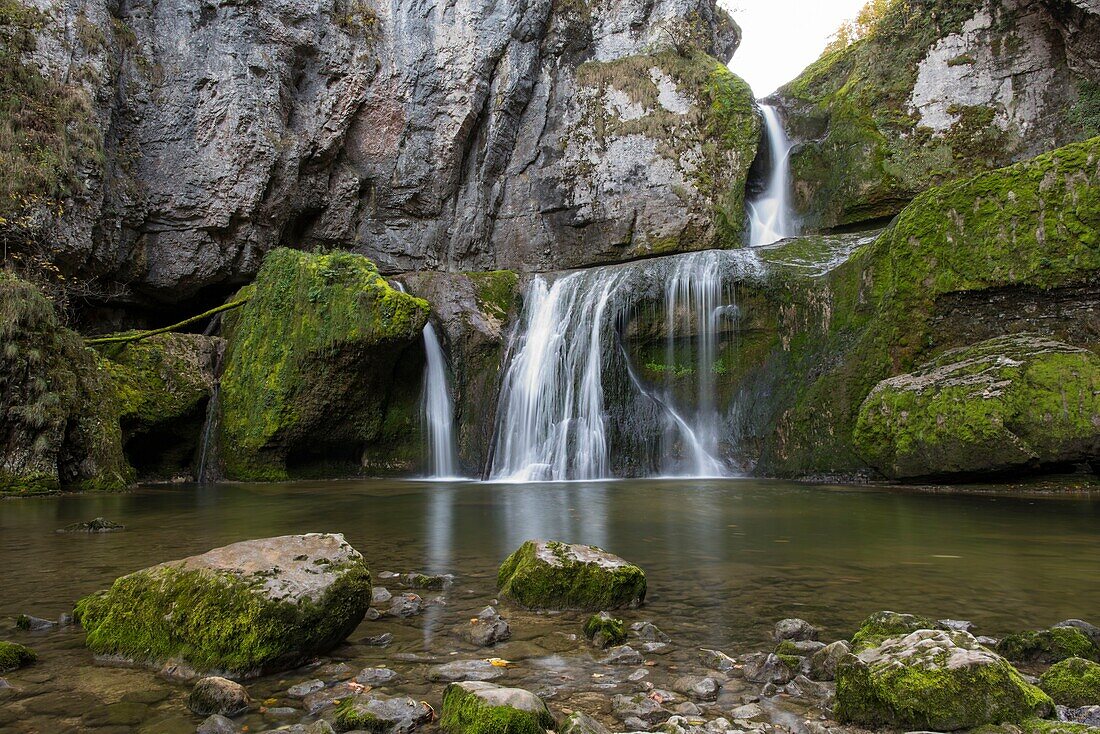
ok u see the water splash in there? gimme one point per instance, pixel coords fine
(770, 215)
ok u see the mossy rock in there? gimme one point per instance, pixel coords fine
(380, 714)
(486, 708)
(934, 680)
(1048, 646)
(882, 625)
(603, 630)
(551, 575)
(246, 609)
(14, 656)
(1006, 403)
(310, 363)
(1073, 682)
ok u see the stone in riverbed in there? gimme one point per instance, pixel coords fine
(437, 582)
(301, 690)
(701, 689)
(883, 625)
(796, 630)
(623, 655)
(1090, 630)
(250, 608)
(14, 656)
(381, 715)
(97, 525)
(1074, 682)
(934, 679)
(485, 708)
(824, 662)
(603, 630)
(470, 670)
(375, 676)
(641, 707)
(406, 605)
(1048, 646)
(214, 695)
(33, 624)
(581, 723)
(216, 724)
(717, 660)
(765, 667)
(487, 628)
(649, 632)
(551, 575)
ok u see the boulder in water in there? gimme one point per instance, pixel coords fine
(487, 628)
(934, 679)
(381, 715)
(249, 608)
(14, 656)
(1074, 682)
(214, 695)
(603, 630)
(485, 708)
(551, 575)
(1048, 646)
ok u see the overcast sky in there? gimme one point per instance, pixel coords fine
(782, 37)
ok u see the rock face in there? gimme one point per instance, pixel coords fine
(1074, 682)
(935, 680)
(474, 137)
(939, 90)
(1012, 402)
(486, 708)
(551, 575)
(245, 609)
(321, 362)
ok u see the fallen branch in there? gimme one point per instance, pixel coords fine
(135, 336)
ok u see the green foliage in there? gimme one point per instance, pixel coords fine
(1048, 646)
(465, 713)
(572, 584)
(14, 656)
(1073, 682)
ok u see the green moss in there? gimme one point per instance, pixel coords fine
(309, 360)
(14, 656)
(1048, 646)
(610, 631)
(496, 291)
(537, 584)
(465, 713)
(1073, 682)
(349, 716)
(217, 621)
(883, 625)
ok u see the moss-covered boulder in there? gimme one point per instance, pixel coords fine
(14, 656)
(882, 625)
(1073, 682)
(380, 714)
(934, 680)
(603, 630)
(935, 92)
(58, 417)
(485, 708)
(246, 609)
(162, 386)
(1007, 403)
(545, 574)
(1048, 646)
(310, 366)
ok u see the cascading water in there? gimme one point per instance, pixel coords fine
(437, 410)
(770, 216)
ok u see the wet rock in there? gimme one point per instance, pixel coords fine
(14, 656)
(304, 595)
(1048, 646)
(824, 662)
(655, 647)
(1087, 715)
(581, 723)
(747, 712)
(913, 681)
(215, 695)
(883, 625)
(604, 631)
(382, 640)
(98, 525)
(795, 630)
(1074, 683)
(639, 707)
(437, 582)
(766, 668)
(956, 625)
(470, 670)
(216, 724)
(406, 605)
(375, 676)
(649, 632)
(301, 690)
(1090, 630)
(623, 655)
(485, 708)
(487, 628)
(327, 697)
(33, 624)
(381, 715)
(717, 660)
(280, 713)
(380, 595)
(335, 671)
(552, 575)
(701, 689)
(803, 687)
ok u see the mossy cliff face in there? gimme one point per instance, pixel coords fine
(310, 365)
(939, 90)
(1021, 241)
(1007, 403)
(552, 575)
(253, 607)
(60, 427)
(936, 680)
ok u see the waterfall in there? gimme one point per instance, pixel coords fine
(437, 410)
(770, 214)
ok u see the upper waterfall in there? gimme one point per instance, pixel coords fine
(770, 215)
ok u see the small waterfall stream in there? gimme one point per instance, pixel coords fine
(770, 214)
(437, 409)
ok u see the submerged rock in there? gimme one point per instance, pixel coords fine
(301, 690)
(33, 624)
(381, 715)
(375, 676)
(1048, 646)
(551, 575)
(1074, 682)
(485, 708)
(487, 628)
(471, 670)
(406, 605)
(249, 608)
(216, 695)
(936, 680)
(98, 525)
(623, 655)
(603, 630)
(14, 656)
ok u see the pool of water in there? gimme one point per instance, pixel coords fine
(724, 560)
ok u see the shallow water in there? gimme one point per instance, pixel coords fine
(724, 559)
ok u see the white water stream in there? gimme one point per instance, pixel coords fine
(770, 216)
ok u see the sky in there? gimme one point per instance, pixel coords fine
(783, 37)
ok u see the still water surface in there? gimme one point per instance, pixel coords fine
(724, 559)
